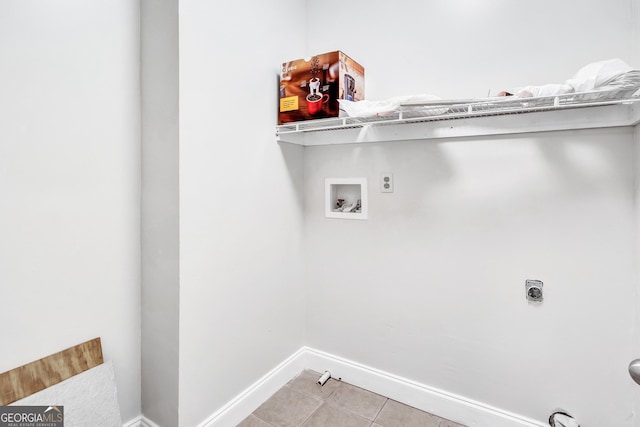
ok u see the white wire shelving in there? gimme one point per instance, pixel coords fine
(466, 118)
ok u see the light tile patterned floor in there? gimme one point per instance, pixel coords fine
(302, 402)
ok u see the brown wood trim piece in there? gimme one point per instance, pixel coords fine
(25, 380)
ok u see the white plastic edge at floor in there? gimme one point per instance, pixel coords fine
(447, 405)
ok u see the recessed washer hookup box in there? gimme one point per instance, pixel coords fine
(310, 87)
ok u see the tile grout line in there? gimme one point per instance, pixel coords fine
(346, 410)
(304, 392)
(313, 395)
(322, 402)
(266, 422)
(321, 399)
(381, 408)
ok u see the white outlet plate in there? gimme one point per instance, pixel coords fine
(386, 182)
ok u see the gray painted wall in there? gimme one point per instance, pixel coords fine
(160, 211)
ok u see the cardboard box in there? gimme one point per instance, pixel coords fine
(310, 88)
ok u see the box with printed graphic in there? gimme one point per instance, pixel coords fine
(310, 87)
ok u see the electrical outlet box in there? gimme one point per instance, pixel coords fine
(346, 198)
(534, 290)
(386, 182)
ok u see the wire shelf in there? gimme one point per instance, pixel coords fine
(441, 110)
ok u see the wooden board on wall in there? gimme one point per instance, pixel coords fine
(40, 374)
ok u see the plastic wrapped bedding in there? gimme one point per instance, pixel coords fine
(384, 107)
(609, 79)
(602, 76)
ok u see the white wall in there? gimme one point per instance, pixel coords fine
(431, 287)
(160, 211)
(635, 348)
(635, 14)
(464, 48)
(241, 288)
(69, 179)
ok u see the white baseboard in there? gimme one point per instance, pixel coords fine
(146, 422)
(133, 423)
(140, 421)
(447, 405)
(246, 402)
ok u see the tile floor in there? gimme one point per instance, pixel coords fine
(302, 402)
